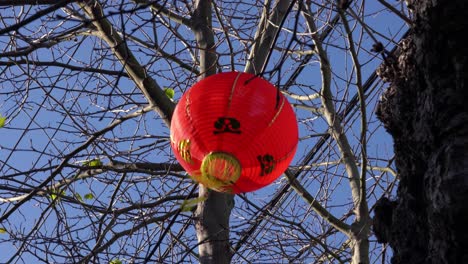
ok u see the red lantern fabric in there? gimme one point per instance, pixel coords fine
(234, 132)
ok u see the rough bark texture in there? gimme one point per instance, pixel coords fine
(212, 224)
(425, 110)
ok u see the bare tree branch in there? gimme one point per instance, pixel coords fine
(62, 65)
(337, 223)
(160, 9)
(153, 93)
(361, 228)
(37, 15)
(268, 27)
(65, 160)
(28, 2)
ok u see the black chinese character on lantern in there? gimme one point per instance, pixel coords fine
(267, 164)
(227, 125)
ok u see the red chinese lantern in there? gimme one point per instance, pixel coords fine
(234, 132)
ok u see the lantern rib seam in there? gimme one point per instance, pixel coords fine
(232, 90)
(277, 114)
(190, 119)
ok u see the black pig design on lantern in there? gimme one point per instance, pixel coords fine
(227, 125)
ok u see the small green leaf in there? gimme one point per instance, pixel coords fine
(188, 205)
(93, 163)
(2, 120)
(115, 261)
(89, 196)
(56, 193)
(78, 197)
(3, 230)
(169, 92)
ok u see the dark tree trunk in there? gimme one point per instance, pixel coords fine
(425, 110)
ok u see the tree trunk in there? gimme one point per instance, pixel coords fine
(425, 110)
(212, 225)
(212, 214)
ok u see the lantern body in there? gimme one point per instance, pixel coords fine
(234, 132)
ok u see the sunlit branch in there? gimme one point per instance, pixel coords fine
(302, 97)
(265, 35)
(152, 91)
(362, 107)
(315, 110)
(13, 199)
(330, 115)
(360, 228)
